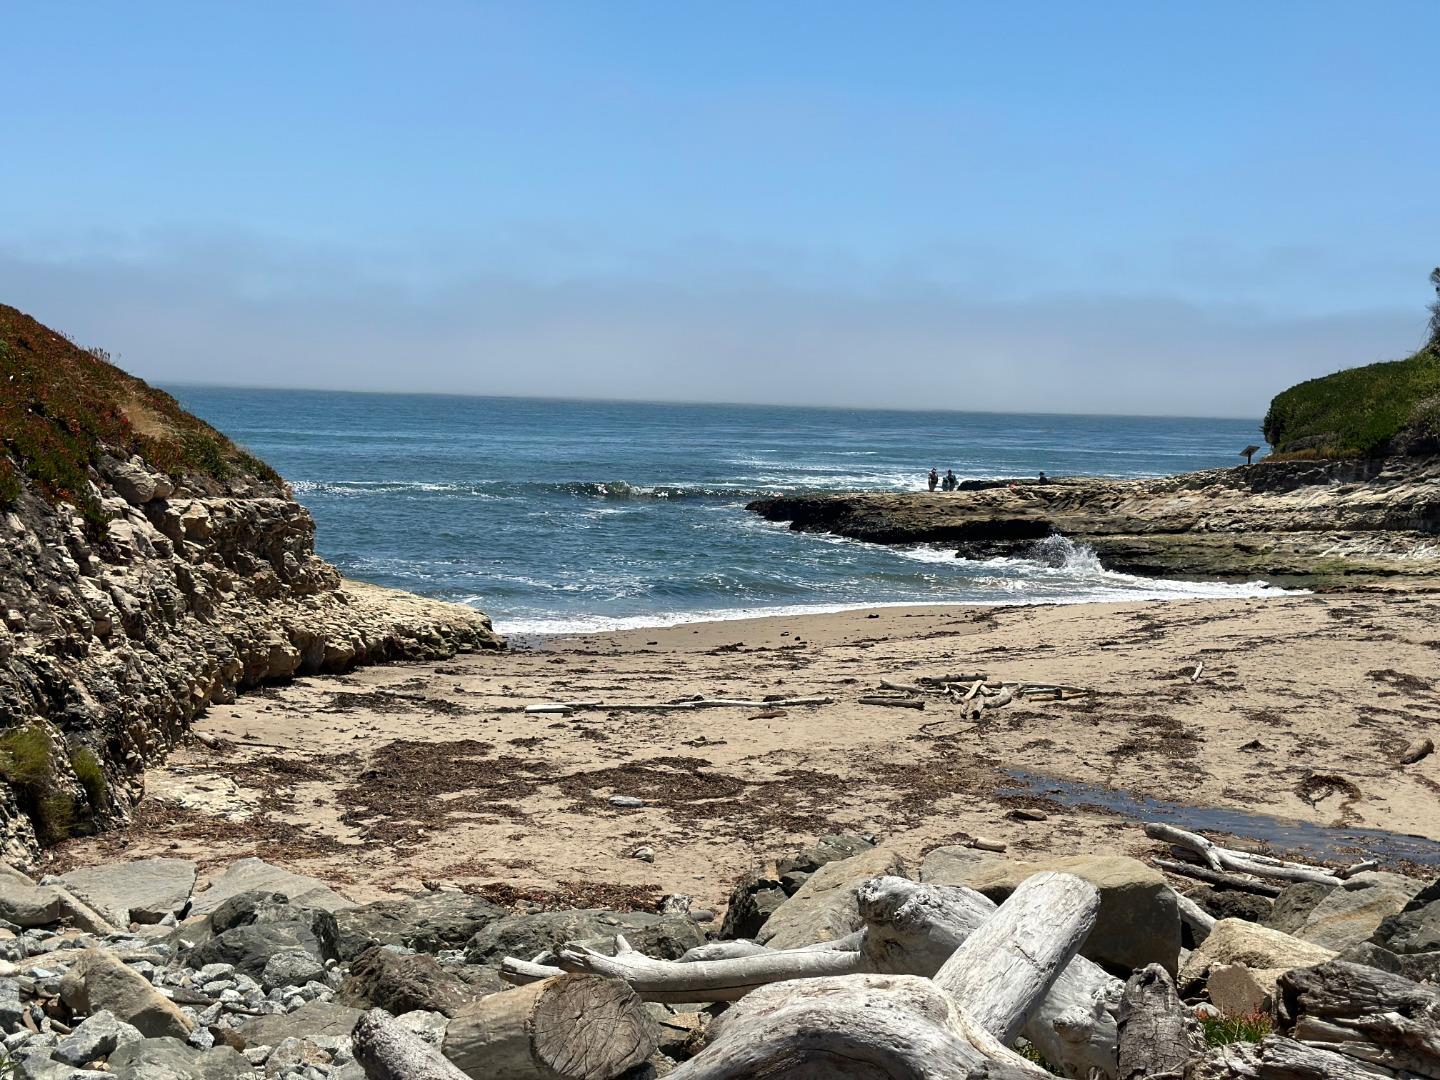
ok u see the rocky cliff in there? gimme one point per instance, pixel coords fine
(1303, 522)
(149, 567)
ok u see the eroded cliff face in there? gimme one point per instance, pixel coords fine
(133, 597)
(1316, 523)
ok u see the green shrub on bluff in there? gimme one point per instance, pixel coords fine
(1371, 411)
(60, 405)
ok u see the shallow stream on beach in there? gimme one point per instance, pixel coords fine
(568, 516)
(1306, 838)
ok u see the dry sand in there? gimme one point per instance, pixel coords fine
(387, 777)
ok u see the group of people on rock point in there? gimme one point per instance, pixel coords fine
(949, 483)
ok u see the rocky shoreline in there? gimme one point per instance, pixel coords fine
(140, 971)
(1317, 523)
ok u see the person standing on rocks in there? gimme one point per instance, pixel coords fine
(951, 480)
(934, 479)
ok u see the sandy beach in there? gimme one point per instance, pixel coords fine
(389, 777)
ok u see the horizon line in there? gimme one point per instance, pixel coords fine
(163, 384)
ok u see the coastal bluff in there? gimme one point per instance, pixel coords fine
(148, 568)
(1317, 523)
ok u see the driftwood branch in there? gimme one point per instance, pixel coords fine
(1276, 1058)
(1218, 877)
(1220, 858)
(566, 707)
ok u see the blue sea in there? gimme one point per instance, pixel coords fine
(563, 516)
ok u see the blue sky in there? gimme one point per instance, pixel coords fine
(1148, 207)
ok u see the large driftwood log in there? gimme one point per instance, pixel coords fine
(911, 929)
(914, 929)
(1364, 1013)
(891, 1026)
(1220, 858)
(386, 1050)
(573, 1027)
(1007, 966)
(1156, 1039)
(857, 1027)
(1276, 1058)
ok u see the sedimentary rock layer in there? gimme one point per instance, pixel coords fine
(1323, 522)
(131, 597)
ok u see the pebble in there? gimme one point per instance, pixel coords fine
(644, 854)
(626, 800)
(985, 843)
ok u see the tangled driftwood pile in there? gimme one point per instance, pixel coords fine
(939, 983)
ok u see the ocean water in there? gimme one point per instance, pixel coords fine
(557, 516)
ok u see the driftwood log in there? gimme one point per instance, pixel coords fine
(1156, 1036)
(387, 1050)
(1362, 1013)
(1277, 1058)
(911, 929)
(951, 1027)
(1200, 921)
(571, 1027)
(1220, 858)
(1218, 877)
(564, 708)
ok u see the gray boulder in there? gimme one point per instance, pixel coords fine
(258, 906)
(35, 1063)
(1416, 927)
(754, 899)
(1353, 912)
(251, 947)
(252, 875)
(382, 978)
(1232, 903)
(29, 905)
(824, 851)
(322, 1022)
(663, 936)
(1294, 905)
(12, 1012)
(429, 923)
(142, 891)
(100, 980)
(96, 1037)
(825, 907)
(291, 969)
(171, 1059)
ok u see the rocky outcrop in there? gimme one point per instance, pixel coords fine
(1322, 522)
(132, 596)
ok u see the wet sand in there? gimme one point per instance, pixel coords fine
(389, 777)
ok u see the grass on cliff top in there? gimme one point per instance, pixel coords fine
(60, 405)
(1370, 411)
